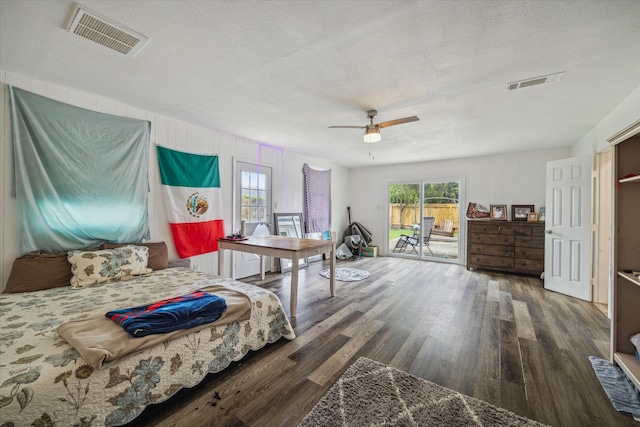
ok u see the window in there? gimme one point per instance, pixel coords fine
(254, 197)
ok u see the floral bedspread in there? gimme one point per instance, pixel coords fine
(44, 380)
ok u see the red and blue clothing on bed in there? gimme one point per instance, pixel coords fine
(168, 315)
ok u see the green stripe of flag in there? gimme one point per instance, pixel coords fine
(179, 169)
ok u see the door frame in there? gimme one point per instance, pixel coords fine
(462, 225)
(622, 135)
(602, 222)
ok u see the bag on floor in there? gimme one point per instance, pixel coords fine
(343, 252)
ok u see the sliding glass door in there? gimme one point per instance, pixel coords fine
(424, 220)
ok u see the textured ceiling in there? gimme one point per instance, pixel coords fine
(281, 72)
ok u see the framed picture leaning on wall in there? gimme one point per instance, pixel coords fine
(541, 215)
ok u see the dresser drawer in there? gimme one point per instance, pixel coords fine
(491, 239)
(530, 241)
(495, 250)
(497, 227)
(537, 230)
(490, 261)
(529, 265)
(529, 253)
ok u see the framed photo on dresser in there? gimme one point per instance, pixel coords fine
(521, 212)
(498, 212)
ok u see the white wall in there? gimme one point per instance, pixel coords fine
(622, 116)
(287, 167)
(517, 178)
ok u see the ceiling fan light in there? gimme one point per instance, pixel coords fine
(372, 134)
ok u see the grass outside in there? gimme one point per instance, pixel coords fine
(394, 234)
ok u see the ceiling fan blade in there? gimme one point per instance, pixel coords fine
(398, 121)
(350, 127)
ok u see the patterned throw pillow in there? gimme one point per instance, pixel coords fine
(108, 265)
(158, 253)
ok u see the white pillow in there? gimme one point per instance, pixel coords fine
(107, 265)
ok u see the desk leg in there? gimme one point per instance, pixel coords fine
(220, 261)
(262, 267)
(294, 284)
(332, 280)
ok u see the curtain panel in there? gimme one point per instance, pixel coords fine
(81, 176)
(317, 199)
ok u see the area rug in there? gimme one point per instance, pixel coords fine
(621, 391)
(346, 274)
(371, 394)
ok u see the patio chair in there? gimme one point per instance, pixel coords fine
(427, 229)
(407, 241)
(446, 228)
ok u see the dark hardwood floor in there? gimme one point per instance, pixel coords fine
(497, 337)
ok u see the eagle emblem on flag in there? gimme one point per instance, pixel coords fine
(197, 205)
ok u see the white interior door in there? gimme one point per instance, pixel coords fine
(567, 258)
(252, 206)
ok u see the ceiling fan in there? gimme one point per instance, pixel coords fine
(372, 132)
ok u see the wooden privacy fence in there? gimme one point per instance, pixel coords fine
(410, 215)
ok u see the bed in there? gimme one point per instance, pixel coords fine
(46, 381)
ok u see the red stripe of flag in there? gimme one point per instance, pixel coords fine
(194, 238)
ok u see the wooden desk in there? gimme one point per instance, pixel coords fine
(282, 247)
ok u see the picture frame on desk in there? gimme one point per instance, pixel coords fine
(532, 217)
(498, 212)
(521, 212)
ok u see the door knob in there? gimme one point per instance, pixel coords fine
(548, 231)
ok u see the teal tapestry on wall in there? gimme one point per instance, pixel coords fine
(81, 176)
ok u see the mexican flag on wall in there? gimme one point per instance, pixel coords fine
(193, 200)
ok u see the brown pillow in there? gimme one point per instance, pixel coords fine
(39, 270)
(158, 253)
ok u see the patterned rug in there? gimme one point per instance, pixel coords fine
(346, 274)
(619, 388)
(372, 394)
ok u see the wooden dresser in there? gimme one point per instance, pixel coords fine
(511, 246)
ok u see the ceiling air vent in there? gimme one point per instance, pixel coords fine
(103, 31)
(551, 78)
